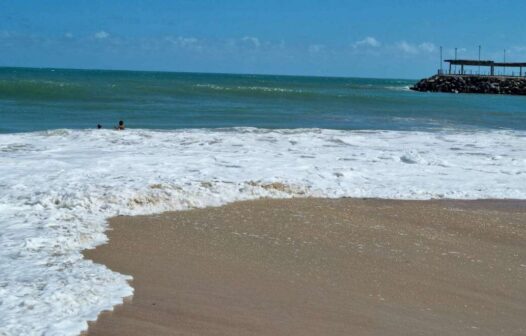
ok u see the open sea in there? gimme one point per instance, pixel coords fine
(197, 140)
(47, 99)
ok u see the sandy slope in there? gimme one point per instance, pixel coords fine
(322, 267)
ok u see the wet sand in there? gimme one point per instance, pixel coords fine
(321, 267)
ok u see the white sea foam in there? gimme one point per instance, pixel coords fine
(399, 88)
(248, 88)
(58, 187)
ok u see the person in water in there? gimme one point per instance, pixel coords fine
(99, 126)
(121, 126)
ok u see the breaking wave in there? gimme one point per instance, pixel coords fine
(57, 188)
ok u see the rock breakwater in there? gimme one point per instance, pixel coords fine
(472, 84)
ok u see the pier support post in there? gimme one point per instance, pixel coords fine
(462, 69)
(492, 71)
(449, 69)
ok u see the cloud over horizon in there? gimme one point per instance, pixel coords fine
(251, 40)
(411, 48)
(247, 53)
(369, 41)
(101, 35)
(347, 38)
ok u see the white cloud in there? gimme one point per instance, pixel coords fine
(427, 47)
(187, 43)
(316, 48)
(410, 48)
(369, 41)
(407, 47)
(252, 43)
(182, 41)
(101, 35)
(251, 40)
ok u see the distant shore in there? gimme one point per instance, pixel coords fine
(321, 267)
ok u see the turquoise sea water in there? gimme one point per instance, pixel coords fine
(37, 99)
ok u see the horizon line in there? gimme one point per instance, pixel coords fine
(199, 72)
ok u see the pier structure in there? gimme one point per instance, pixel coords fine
(484, 63)
(485, 81)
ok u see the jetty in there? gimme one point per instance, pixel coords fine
(460, 78)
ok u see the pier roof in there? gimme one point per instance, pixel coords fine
(485, 63)
(469, 62)
(510, 64)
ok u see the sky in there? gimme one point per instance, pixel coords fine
(373, 38)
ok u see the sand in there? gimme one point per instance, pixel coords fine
(321, 267)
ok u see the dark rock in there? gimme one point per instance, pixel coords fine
(472, 84)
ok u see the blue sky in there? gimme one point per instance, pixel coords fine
(396, 39)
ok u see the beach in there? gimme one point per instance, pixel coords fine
(262, 168)
(321, 267)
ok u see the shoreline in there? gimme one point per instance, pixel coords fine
(321, 266)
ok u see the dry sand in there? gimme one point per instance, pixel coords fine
(322, 267)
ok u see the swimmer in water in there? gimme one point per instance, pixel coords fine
(121, 126)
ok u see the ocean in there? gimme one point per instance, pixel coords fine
(44, 99)
(197, 140)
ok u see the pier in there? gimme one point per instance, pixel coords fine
(459, 79)
(489, 64)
